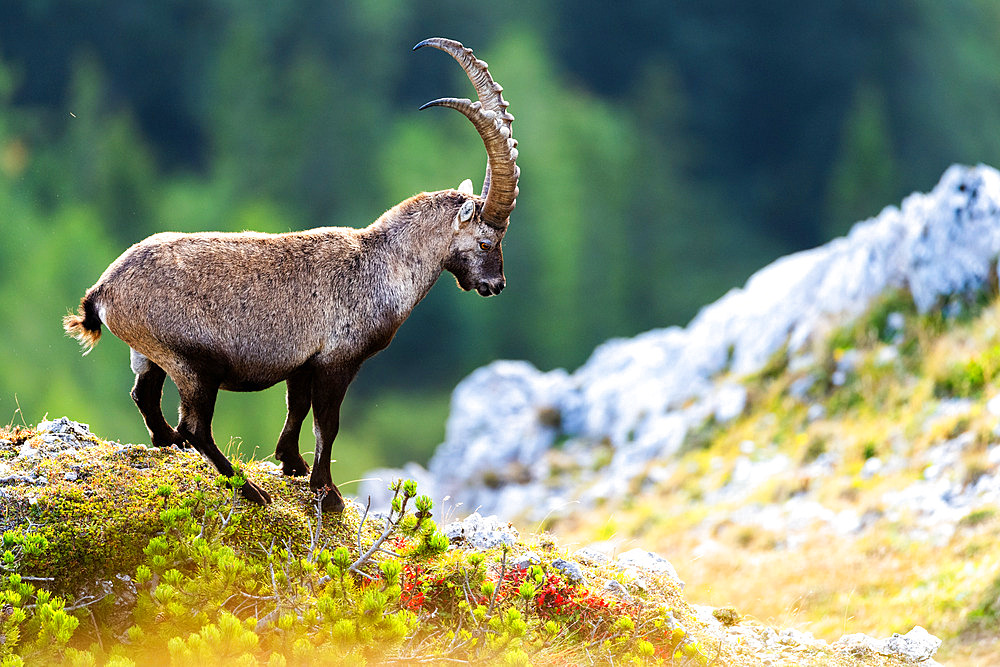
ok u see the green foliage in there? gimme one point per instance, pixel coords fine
(870, 451)
(864, 175)
(963, 380)
(34, 624)
(978, 517)
(208, 593)
(816, 447)
(774, 367)
(873, 326)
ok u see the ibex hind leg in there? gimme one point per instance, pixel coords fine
(195, 426)
(147, 394)
(299, 398)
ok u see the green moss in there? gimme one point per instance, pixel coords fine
(727, 616)
(209, 579)
(968, 378)
(978, 517)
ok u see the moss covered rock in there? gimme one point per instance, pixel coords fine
(120, 554)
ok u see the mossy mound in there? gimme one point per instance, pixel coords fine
(120, 554)
(98, 503)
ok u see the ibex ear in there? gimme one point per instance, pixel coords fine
(466, 187)
(465, 213)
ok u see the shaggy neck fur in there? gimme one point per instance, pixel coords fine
(417, 235)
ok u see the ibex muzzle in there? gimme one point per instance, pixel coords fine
(245, 311)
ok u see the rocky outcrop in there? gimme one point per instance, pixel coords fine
(636, 400)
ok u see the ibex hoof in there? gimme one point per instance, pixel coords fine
(295, 468)
(171, 438)
(255, 494)
(331, 500)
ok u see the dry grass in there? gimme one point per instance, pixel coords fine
(879, 584)
(890, 576)
(832, 587)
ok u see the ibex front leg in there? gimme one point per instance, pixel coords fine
(298, 398)
(328, 389)
(195, 425)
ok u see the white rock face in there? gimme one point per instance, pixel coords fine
(481, 532)
(916, 646)
(637, 400)
(503, 415)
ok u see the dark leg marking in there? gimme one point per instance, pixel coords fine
(298, 397)
(197, 407)
(328, 389)
(147, 394)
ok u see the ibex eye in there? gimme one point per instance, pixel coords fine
(485, 246)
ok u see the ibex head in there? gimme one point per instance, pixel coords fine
(476, 257)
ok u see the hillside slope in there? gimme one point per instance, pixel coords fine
(861, 488)
(122, 555)
(819, 448)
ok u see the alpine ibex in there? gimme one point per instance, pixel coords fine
(245, 311)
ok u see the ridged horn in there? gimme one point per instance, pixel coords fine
(493, 122)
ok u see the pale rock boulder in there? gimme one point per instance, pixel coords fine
(915, 647)
(639, 561)
(503, 416)
(481, 533)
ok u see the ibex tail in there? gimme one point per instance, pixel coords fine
(85, 326)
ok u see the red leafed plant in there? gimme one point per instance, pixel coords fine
(557, 599)
(564, 608)
(412, 596)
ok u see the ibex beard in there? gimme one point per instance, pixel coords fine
(242, 312)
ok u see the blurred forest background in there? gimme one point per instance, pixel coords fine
(668, 149)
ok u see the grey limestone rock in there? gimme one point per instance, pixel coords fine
(572, 571)
(639, 559)
(641, 397)
(616, 589)
(590, 556)
(503, 415)
(525, 560)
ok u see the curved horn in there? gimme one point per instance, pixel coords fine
(493, 122)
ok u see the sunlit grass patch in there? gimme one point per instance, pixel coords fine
(892, 400)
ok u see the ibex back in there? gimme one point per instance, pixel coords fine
(245, 311)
